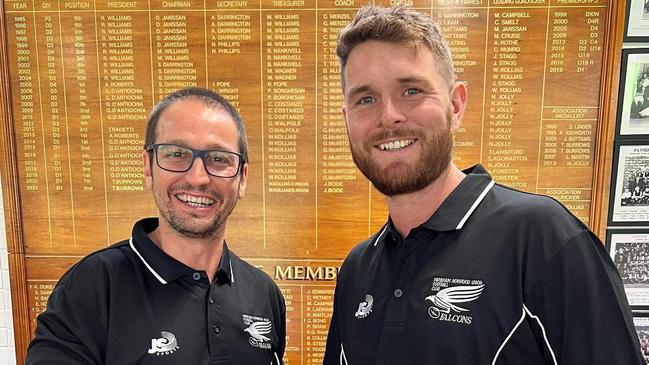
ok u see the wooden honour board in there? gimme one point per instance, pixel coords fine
(79, 78)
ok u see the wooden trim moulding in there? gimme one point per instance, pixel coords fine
(11, 203)
(603, 164)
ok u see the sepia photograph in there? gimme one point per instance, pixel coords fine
(633, 112)
(631, 184)
(637, 21)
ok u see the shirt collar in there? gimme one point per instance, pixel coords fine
(457, 207)
(164, 267)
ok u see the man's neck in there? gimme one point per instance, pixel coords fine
(411, 210)
(199, 254)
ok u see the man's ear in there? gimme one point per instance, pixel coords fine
(458, 104)
(243, 181)
(146, 165)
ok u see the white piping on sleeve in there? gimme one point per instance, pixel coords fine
(511, 333)
(160, 279)
(342, 355)
(276, 358)
(475, 204)
(545, 336)
(380, 234)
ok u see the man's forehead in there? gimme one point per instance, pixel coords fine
(195, 109)
(195, 119)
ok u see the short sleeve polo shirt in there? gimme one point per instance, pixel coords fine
(494, 276)
(132, 303)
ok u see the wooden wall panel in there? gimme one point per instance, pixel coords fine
(79, 77)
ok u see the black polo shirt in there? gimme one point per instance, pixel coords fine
(131, 303)
(495, 276)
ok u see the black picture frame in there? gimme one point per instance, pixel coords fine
(641, 324)
(633, 96)
(629, 195)
(629, 250)
(636, 21)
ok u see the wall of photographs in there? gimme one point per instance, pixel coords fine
(627, 236)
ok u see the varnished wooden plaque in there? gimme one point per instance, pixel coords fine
(84, 74)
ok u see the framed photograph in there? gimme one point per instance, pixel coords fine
(641, 323)
(630, 187)
(637, 21)
(629, 249)
(633, 103)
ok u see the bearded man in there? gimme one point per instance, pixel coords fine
(465, 270)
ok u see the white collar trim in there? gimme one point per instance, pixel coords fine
(157, 276)
(380, 235)
(475, 205)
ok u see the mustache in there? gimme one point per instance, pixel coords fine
(395, 133)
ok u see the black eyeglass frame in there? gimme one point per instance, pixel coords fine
(196, 153)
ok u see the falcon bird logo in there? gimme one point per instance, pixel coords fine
(257, 330)
(365, 307)
(445, 299)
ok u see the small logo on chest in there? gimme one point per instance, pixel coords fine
(365, 307)
(450, 297)
(165, 345)
(258, 328)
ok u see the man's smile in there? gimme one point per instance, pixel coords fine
(395, 145)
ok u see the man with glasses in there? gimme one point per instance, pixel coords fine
(173, 293)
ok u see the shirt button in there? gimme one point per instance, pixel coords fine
(196, 276)
(216, 329)
(211, 300)
(398, 293)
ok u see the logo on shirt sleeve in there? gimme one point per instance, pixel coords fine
(165, 345)
(451, 294)
(258, 328)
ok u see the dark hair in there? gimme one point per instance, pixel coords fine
(211, 99)
(401, 25)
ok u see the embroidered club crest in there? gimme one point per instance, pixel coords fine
(448, 300)
(258, 328)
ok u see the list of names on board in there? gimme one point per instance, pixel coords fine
(84, 75)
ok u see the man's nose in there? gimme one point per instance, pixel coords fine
(391, 114)
(197, 174)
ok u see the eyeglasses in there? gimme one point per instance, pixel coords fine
(175, 158)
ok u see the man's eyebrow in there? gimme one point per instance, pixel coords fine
(180, 142)
(358, 90)
(412, 79)
(176, 142)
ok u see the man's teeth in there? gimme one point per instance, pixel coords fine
(396, 145)
(195, 201)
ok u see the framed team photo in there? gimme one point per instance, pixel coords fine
(641, 323)
(630, 187)
(633, 103)
(629, 249)
(637, 21)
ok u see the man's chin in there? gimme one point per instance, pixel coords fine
(195, 230)
(393, 189)
(197, 233)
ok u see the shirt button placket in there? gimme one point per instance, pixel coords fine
(216, 329)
